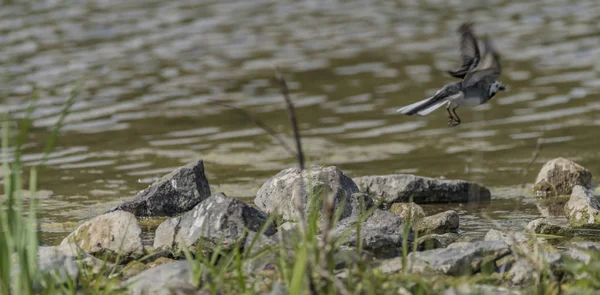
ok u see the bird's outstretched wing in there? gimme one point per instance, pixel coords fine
(488, 67)
(469, 51)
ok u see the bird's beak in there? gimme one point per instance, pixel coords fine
(503, 88)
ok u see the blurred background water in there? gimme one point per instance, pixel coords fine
(150, 68)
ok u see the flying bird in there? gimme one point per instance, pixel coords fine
(478, 72)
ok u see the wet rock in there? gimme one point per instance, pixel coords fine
(548, 227)
(170, 278)
(583, 209)
(435, 241)
(279, 194)
(381, 233)
(559, 176)
(457, 259)
(405, 209)
(115, 233)
(441, 223)
(175, 193)
(400, 187)
(217, 220)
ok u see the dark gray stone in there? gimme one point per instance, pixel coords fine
(175, 193)
(398, 188)
(457, 259)
(280, 194)
(441, 223)
(217, 220)
(381, 233)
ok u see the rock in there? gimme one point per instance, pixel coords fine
(435, 241)
(346, 257)
(583, 209)
(441, 223)
(522, 272)
(133, 268)
(53, 261)
(115, 233)
(175, 193)
(458, 259)
(92, 264)
(511, 238)
(164, 236)
(404, 209)
(381, 233)
(559, 176)
(398, 188)
(356, 199)
(547, 227)
(217, 220)
(280, 193)
(165, 279)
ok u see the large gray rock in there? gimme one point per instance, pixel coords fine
(175, 193)
(381, 233)
(457, 259)
(280, 194)
(165, 279)
(548, 227)
(217, 220)
(115, 233)
(559, 176)
(441, 223)
(583, 209)
(400, 187)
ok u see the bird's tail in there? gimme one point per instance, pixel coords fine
(423, 107)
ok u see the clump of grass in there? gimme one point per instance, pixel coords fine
(19, 234)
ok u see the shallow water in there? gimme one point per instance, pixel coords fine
(150, 68)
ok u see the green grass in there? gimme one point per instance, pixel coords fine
(303, 265)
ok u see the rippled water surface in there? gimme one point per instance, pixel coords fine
(151, 67)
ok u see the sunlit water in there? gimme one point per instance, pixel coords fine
(150, 68)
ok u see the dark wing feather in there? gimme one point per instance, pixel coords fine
(469, 51)
(488, 67)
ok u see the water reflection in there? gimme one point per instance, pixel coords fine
(150, 69)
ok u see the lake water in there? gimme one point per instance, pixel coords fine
(151, 67)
